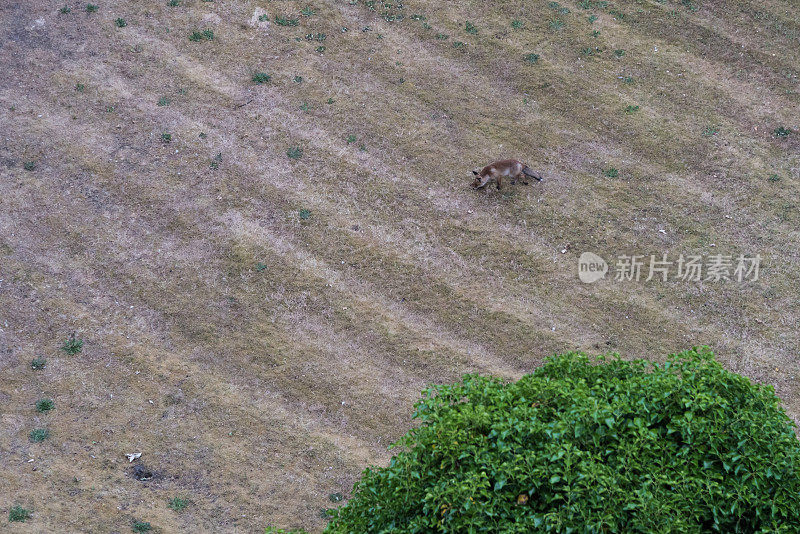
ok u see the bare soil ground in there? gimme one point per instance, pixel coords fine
(260, 356)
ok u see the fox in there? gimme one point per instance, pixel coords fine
(511, 168)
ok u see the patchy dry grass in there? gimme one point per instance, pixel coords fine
(259, 328)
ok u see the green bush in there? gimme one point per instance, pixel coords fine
(587, 446)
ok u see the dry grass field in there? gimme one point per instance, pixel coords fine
(265, 237)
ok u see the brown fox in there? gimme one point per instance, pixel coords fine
(496, 171)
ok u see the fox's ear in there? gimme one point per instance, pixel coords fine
(475, 173)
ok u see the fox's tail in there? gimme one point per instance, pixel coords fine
(529, 172)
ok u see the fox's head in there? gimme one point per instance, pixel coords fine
(477, 181)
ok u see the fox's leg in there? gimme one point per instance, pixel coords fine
(499, 181)
(519, 176)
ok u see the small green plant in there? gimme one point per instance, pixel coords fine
(628, 80)
(587, 52)
(29, 165)
(781, 131)
(120, 23)
(174, 3)
(203, 135)
(38, 435)
(18, 514)
(458, 45)
(79, 87)
(205, 35)
(65, 10)
(263, 18)
(72, 345)
(282, 21)
(163, 101)
(320, 49)
(37, 364)
(533, 59)
(109, 109)
(557, 25)
(690, 5)
(178, 504)
(618, 15)
(631, 109)
(91, 8)
(593, 4)
(351, 139)
(619, 52)
(298, 79)
(215, 161)
(261, 77)
(442, 36)
(592, 19)
(774, 178)
(166, 138)
(330, 101)
(710, 131)
(517, 24)
(336, 497)
(295, 152)
(261, 267)
(141, 526)
(611, 172)
(44, 405)
(304, 214)
(307, 11)
(470, 28)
